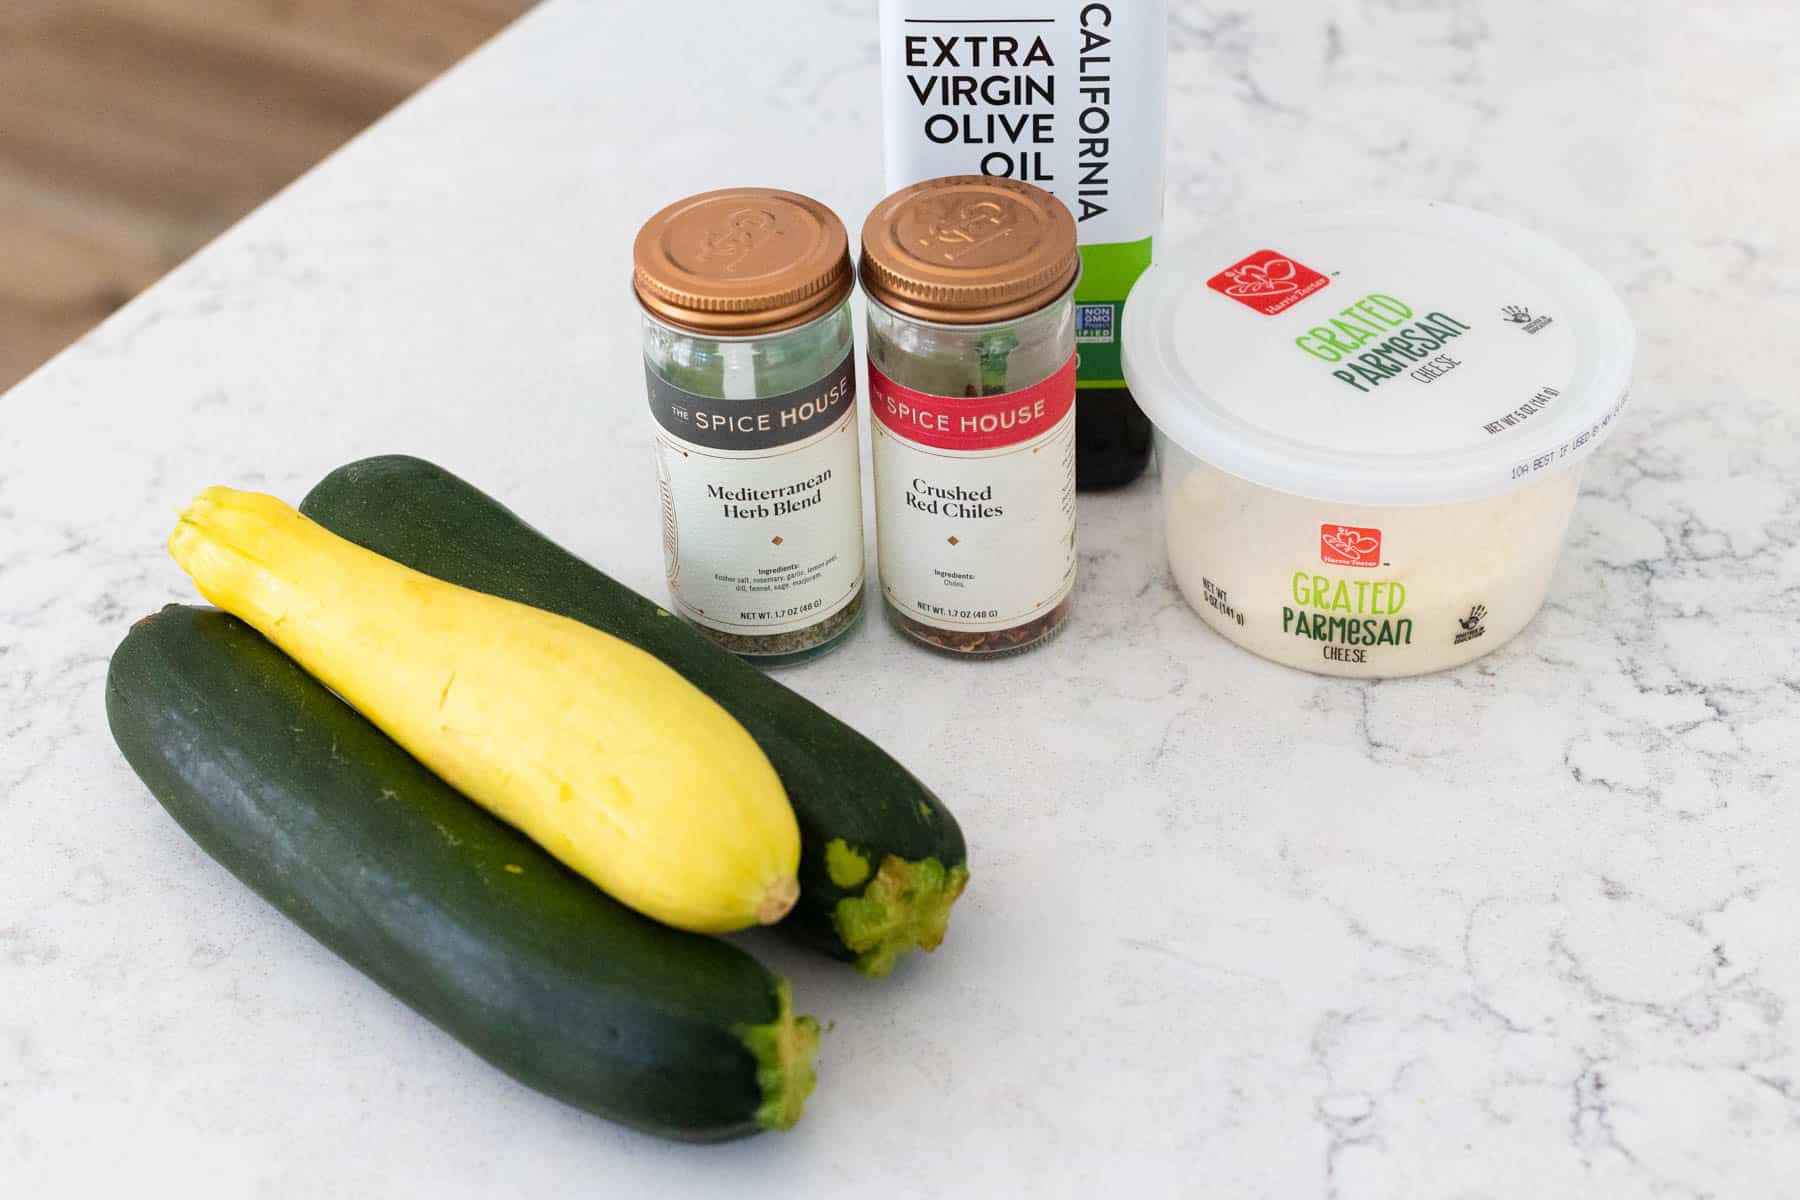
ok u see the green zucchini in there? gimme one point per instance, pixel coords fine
(450, 909)
(881, 859)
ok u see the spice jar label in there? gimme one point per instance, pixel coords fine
(975, 499)
(762, 503)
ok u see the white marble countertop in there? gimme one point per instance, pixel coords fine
(1524, 929)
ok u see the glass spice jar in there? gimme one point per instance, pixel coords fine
(750, 366)
(970, 282)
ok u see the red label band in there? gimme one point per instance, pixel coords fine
(972, 422)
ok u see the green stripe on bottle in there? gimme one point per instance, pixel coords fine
(1108, 269)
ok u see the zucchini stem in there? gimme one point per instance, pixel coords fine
(785, 1049)
(906, 905)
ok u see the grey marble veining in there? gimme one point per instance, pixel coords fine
(1523, 929)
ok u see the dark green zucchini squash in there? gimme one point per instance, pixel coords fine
(450, 909)
(881, 861)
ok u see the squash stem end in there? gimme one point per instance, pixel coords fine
(905, 907)
(785, 1049)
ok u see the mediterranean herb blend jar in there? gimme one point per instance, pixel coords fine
(970, 284)
(1371, 427)
(749, 359)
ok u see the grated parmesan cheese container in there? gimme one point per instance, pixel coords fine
(1371, 427)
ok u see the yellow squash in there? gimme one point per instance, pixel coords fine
(604, 756)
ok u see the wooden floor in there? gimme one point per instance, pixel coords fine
(133, 131)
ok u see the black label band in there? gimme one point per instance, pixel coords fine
(762, 424)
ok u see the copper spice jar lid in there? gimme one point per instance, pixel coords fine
(742, 261)
(969, 250)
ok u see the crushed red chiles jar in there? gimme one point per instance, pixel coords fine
(970, 282)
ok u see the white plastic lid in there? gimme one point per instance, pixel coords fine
(1401, 357)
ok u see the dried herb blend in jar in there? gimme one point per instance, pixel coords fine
(970, 282)
(749, 359)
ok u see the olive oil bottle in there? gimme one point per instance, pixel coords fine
(1069, 95)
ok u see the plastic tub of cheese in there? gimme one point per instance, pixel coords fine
(1371, 427)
